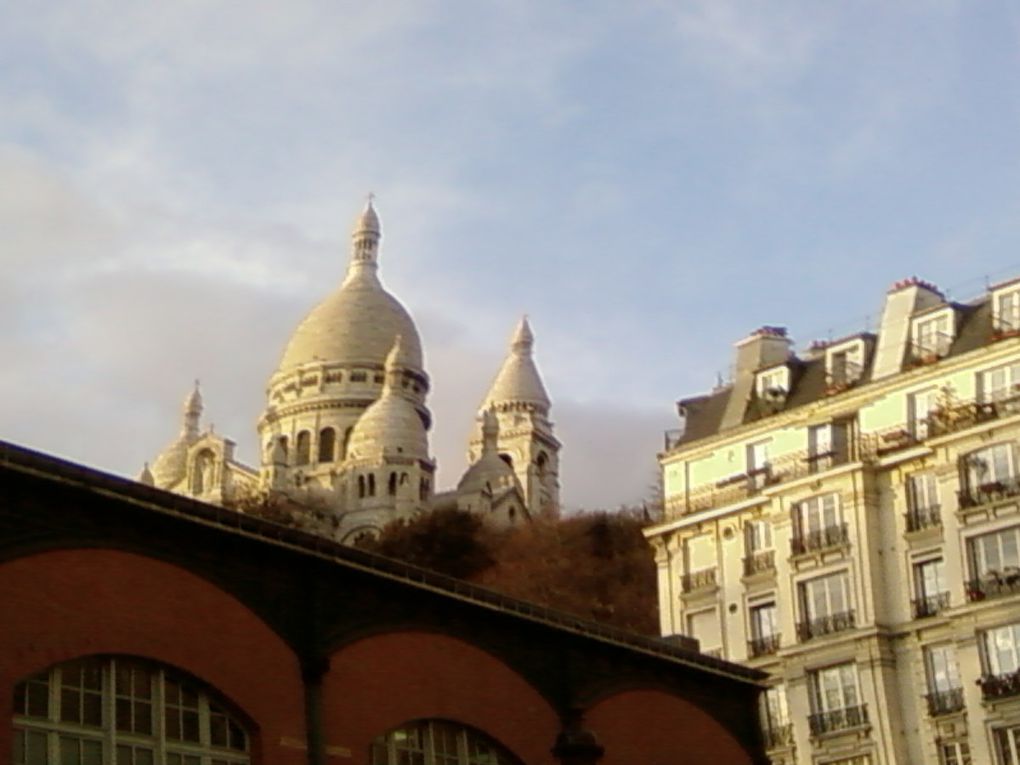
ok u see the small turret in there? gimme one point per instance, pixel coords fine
(365, 239)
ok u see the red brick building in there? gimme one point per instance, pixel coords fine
(140, 627)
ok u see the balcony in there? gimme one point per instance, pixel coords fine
(844, 377)
(929, 350)
(763, 646)
(920, 518)
(945, 702)
(778, 736)
(994, 584)
(930, 605)
(825, 625)
(699, 580)
(985, 493)
(837, 720)
(822, 539)
(1000, 686)
(763, 561)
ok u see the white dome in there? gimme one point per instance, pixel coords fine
(354, 325)
(518, 380)
(391, 424)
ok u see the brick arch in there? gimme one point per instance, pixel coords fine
(656, 728)
(76, 602)
(380, 682)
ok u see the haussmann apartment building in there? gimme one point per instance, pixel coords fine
(849, 521)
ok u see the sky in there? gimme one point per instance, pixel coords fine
(648, 180)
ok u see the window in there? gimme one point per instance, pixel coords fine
(921, 406)
(86, 710)
(999, 384)
(758, 553)
(1007, 745)
(1006, 312)
(764, 619)
(303, 453)
(828, 445)
(704, 627)
(995, 553)
(774, 384)
(825, 605)
(391, 487)
(818, 524)
(758, 464)
(930, 587)
(990, 469)
(327, 445)
(932, 337)
(954, 753)
(1001, 649)
(923, 509)
(944, 690)
(835, 699)
(844, 365)
(775, 718)
(438, 742)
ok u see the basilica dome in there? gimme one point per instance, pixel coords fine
(356, 324)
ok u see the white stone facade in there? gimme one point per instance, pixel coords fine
(849, 521)
(345, 428)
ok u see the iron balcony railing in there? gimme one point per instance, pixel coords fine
(778, 736)
(699, 580)
(763, 646)
(945, 702)
(839, 379)
(836, 535)
(1000, 686)
(825, 625)
(760, 562)
(930, 605)
(992, 491)
(838, 719)
(920, 518)
(931, 350)
(994, 584)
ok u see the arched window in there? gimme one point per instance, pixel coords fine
(361, 487)
(347, 438)
(304, 448)
(284, 445)
(86, 710)
(423, 489)
(371, 484)
(439, 742)
(327, 444)
(202, 472)
(542, 463)
(507, 459)
(393, 484)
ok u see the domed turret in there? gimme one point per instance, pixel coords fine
(171, 466)
(489, 473)
(518, 383)
(391, 425)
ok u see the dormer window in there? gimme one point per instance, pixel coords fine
(774, 384)
(844, 364)
(1006, 309)
(933, 336)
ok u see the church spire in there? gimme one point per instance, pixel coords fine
(365, 239)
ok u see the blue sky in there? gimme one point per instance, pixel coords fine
(649, 181)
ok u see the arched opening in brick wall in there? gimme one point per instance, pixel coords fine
(438, 742)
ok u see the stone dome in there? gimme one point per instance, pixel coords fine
(356, 324)
(391, 424)
(488, 472)
(171, 466)
(518, 380)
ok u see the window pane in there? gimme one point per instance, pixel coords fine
(36, 749)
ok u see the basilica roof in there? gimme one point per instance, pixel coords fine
(356, 324)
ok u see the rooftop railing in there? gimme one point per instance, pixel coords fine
(838, 719)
